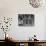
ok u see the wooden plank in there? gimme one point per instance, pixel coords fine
(44, 44)
(25, 44)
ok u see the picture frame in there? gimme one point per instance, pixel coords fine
(26, 19)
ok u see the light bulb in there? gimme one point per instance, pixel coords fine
(7, 35)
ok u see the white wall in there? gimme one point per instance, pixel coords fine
(12, 8)
(45, 28)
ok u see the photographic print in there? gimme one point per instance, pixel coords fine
(26, 19)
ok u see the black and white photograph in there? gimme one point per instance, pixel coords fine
(26, 19)
(22, 22)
